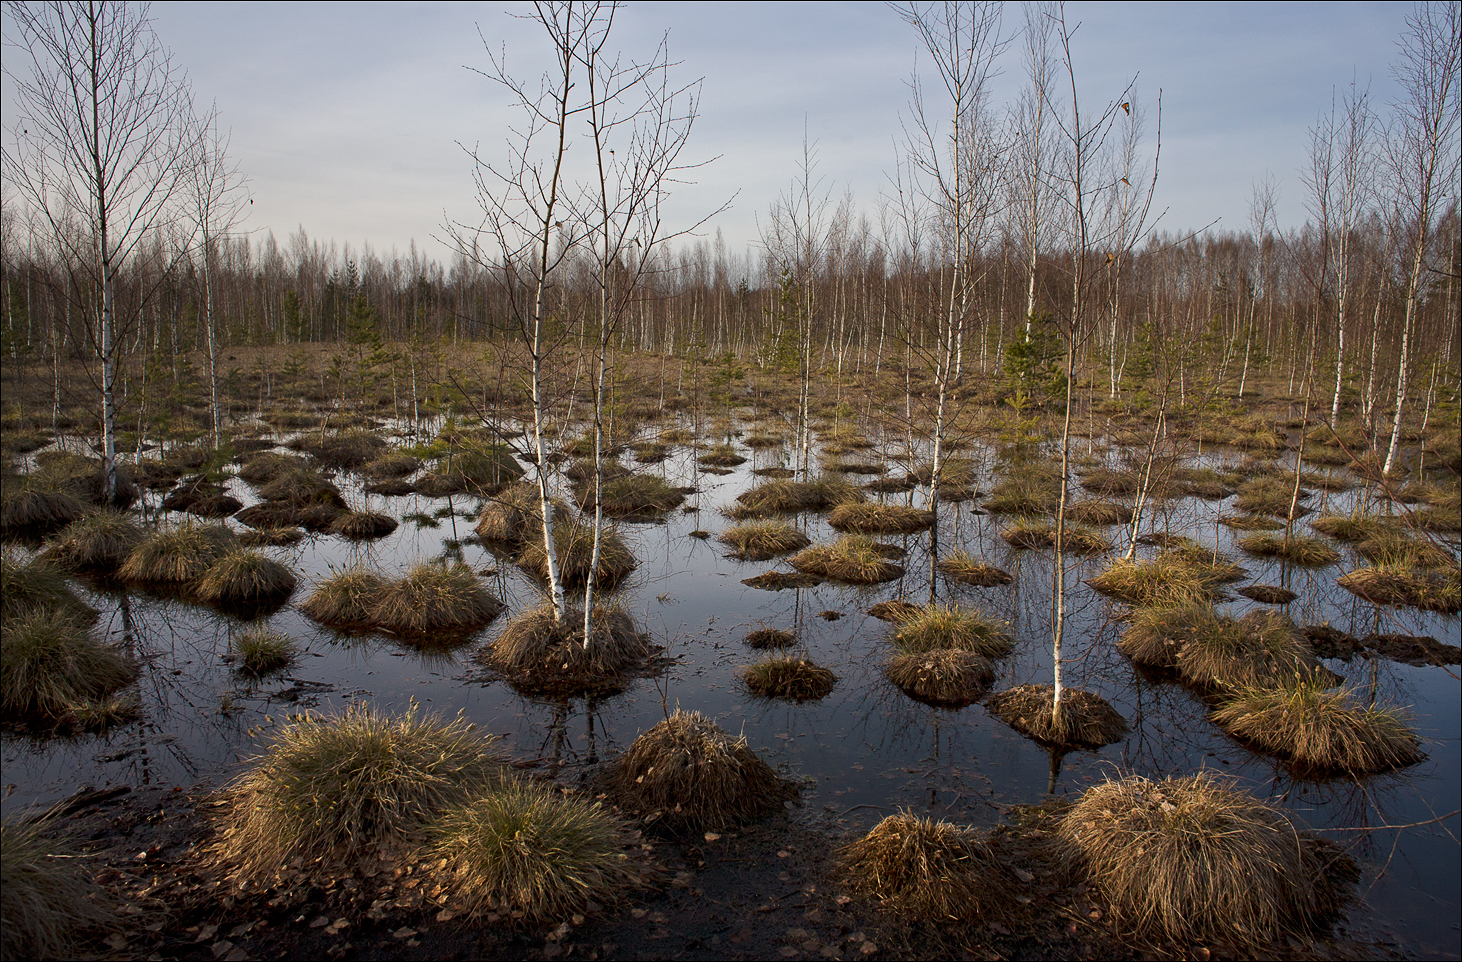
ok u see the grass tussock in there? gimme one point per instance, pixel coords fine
(574, 545)
(1083, 720)
(875, 518)
(1250, 522)
(789, 678)
(1271, 495)
(763, 638)
(215, 506)
(530, 853)
(760, 540)
(36, 511)
(1263, 649)
(1033, 489)
(948, 678)
(392, 464)
(1194, 860)
(1030, 533)
(346, 601)
(853, 558)
(792, 497)
(1155, 636)
(335, 786)
(1268, 594)
(1297, 549)
(969, 570)
(362, 525)
(302, 486)
(48, 903)
(536, 649)
(937, 627)
(1099, 514)
(52, 666)
(511, 515)
(179, 555)
(931, 871)
(245, 576)
(632, 496)
(721, 456)
(99, 542)
(1107, 482)
(265, 467)
(1439, 591)
(271, 537)
(262, 652)
(1321, 730)
(1163, 582)
(434, 600)
(37, 586)
(688, 773)
(347, 449)
(1393, 548)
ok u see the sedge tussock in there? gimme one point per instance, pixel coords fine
(245, 576)
(37, 586)
(574, 546)
(1263, 649)
(1297, 549)
(346, 601)
(539, 652)
(763, 638)
(511, 515)
(874, 518)
(760, 540)
(789, 678)
(853, 558)
(1194, 859)
(52, 666)
(37, 511)
(1030, 533)
(945, 677)
(262, 651)
(969, 570)
(631, 496)
(1391, 548)
(690, 774)
(48, 901)
(926, 870)
(1164, 582)
(1082, 720)
(335, 786)
(936, 627)
(434, 599)
(178, 555)
(1320, 730)
(362, 525)
(99, 542)
(531, 853)
(1439, 591)
(895, 612)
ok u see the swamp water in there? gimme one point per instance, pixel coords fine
(861, 753)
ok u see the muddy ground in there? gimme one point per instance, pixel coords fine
(768, 891)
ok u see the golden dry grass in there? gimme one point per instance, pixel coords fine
(346, 601)
(1084, 720)
(245, 576)
(433, 601)
(52, 667)
(1439, 591)
(940, 626)
(49, 905)
(969, 570)
(1301, 550)
(924, 870)
(875, 518)
(536, 650)
(99, 542)
(574, 546)
(362, 525)
(789, 678)
(178, 555)
(760, 540)
(1263, 649)
(1164, 582)
(262, 652)
(945, 677)
(1195, 860)
(853, 558)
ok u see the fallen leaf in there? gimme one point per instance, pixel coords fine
(867, 948)
(220, 949)
(712, 837)
(320, 922)
(1024, 876)
(405, 933)
(117, 941)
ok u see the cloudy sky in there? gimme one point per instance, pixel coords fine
(351, 120)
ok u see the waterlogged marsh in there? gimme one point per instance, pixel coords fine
(861, 752)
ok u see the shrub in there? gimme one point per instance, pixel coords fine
(936, 627)
(1320, 730)
(262, 652)
(760, 540)
(1194, 860)
(336, 786)
(791, 678)
(945, 677)
(52, 665)
(854, 558)
(48, 900)
(245, 576)
(1084, 720)
(178, 555)
(529, 852)
(925, 870)
(688, 773)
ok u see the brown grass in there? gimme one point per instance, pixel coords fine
(50, 907)
(929, 871)
(763, 638)
(434, 602)
(688, 773)
(178, 555)
(271, 537)
(1155, 636)
(1392, 548)
(1439, 591)
(1029, 533)
(1085, 720)
(245, 577)
(34, 511)
(947, 678)
(853, 558)
(1099, 513)
(1194, 860)
(52, 666)
(895, 611)
(37, 586)
(1301, 550)
(302, 487)
(760, 540)
(937, 627)
(968, 570)
(1263, 649)
(362, 525)
(632, 496)
(1268, 594)
(1320, 730)
(789, 678)
(510, 515)
(791, 497)
(1164, 582)
(874, 518)
(346, 601)
(99, 542)
(574, 544)
(537, 651)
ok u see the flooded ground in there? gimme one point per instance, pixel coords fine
(861, 753)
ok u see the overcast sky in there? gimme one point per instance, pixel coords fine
(347, 119)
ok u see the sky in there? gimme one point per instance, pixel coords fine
(353, 121)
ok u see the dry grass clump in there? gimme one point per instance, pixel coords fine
(346, 601)
(1085, 720)
(34, 511)
(1268, 594)
(574, 544)
(265, 467)
(1209, 564)
(1271, 495)
(791, 678)
(335, 786)
(1032, 490)
(969, 570)
(1163, 582)
(271, 537)
(392, 464)
(1263, 649)
(1250, 522)
(925, 870)
(874, 518)
(763, 638)
(760, 540)
(1393, 548)
(953, 473)
(687, 772)
(1203, 483)
(936, 627)
(1297, 549)
(510, 514)
(1107, 482)
(1155, 636)
(791, 497)
(52, 666)
(178, 555)
(48, 900)
(362, 525)
(632, 496)
(37, 586)
(1320, 730)
(245, 576)
(853, 558)
(99, 542)
(302, 487)
(1099, 513)
(948, 678)
(759, 441)
(215, 506)
(1439, 591)
(721, 456)
(1194, 860)
(434, 600)
(262, 652)
(527, 852)
(1042, 534)
(481, 468)
(537, 650)
(347, 449)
